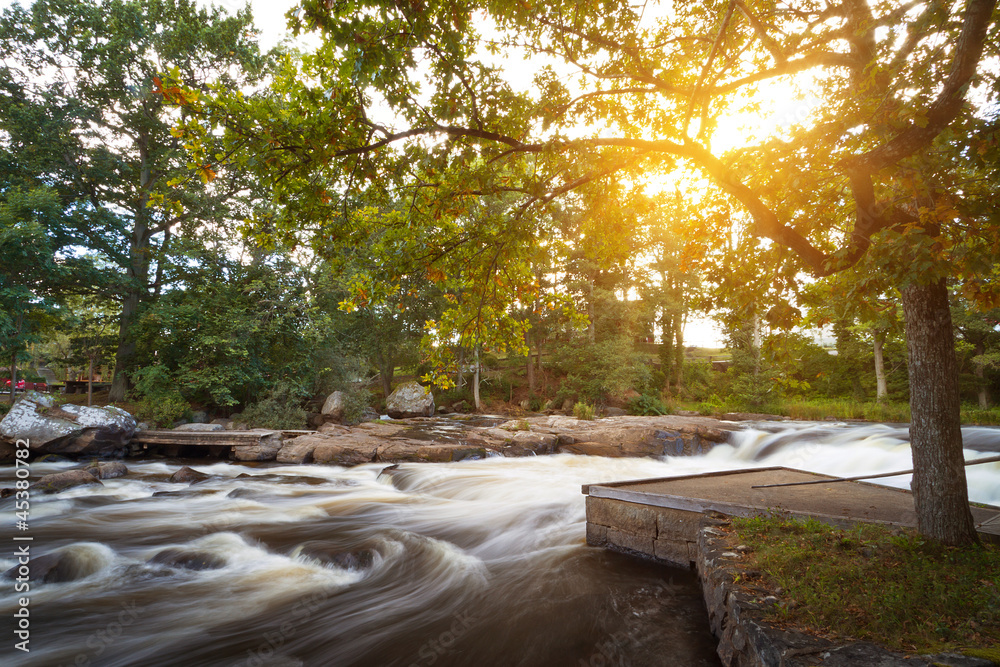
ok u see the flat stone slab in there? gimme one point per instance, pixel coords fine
(734, 493)
(443, 440)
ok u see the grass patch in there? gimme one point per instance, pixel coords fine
(820, 409)
(870, 583)
(972, 415)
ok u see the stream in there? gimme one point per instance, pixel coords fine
(472, 563)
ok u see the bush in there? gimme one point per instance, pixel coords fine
(583, 411)
(156, 396)
(646, 405)
(595, 372)
(280, 409)
(699, 380)
(713, 405)
(356, 401)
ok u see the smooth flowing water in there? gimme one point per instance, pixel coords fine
(472, 563)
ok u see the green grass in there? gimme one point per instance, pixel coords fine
(819, 409)
(972, 415)
(872, 584)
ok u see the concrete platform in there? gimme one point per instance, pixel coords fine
(659, 518)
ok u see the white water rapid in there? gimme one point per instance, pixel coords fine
(474, 563)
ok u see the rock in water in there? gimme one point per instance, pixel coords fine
(188, 560)
(61, 481)
(410, 399)
(68, 564)
(67, 429)
(107, 469)
(187, 474)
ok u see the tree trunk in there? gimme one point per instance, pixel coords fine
(140, 249)
(386, 371)
(667, 335)
(90, 383)
(679, 353)
(980, 373)
(939, 487)
(13, 375)
(591, 330)
(881, 390)
(530, 369)
(475, 384)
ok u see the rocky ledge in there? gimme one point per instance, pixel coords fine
(441, 440)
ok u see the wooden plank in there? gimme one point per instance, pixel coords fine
(718, 473)
(856, 478)
(201, 438)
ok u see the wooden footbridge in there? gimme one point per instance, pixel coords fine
(252, 445)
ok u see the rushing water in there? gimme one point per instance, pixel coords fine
(473, 563)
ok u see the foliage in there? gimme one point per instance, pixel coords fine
(279, 409)
(753, 386)
(33, 282)
(80, 114)
(872, 584)
(597, 371)
(583, 410)
(231, 327)
(818, 409)
(644, 404)
(698, 380)
(156, 395)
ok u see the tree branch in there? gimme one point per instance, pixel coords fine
(949, 102)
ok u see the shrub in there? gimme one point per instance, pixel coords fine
(156, 396)
(280, 409)
(647, 405)
(597, 371)
(583, 411)
(356, 401)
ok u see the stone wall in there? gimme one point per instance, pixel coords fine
(666, 535)
(737, 612)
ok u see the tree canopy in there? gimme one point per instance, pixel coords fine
(80, 116)
(414, 102)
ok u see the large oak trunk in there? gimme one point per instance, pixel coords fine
(939, 486)
(126, 348)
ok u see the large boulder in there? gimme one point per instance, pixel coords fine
(348, 450)
(432, 452)
(67, 429)
(333, 408)
(410, 399)
(265, 449)
(300, 449)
